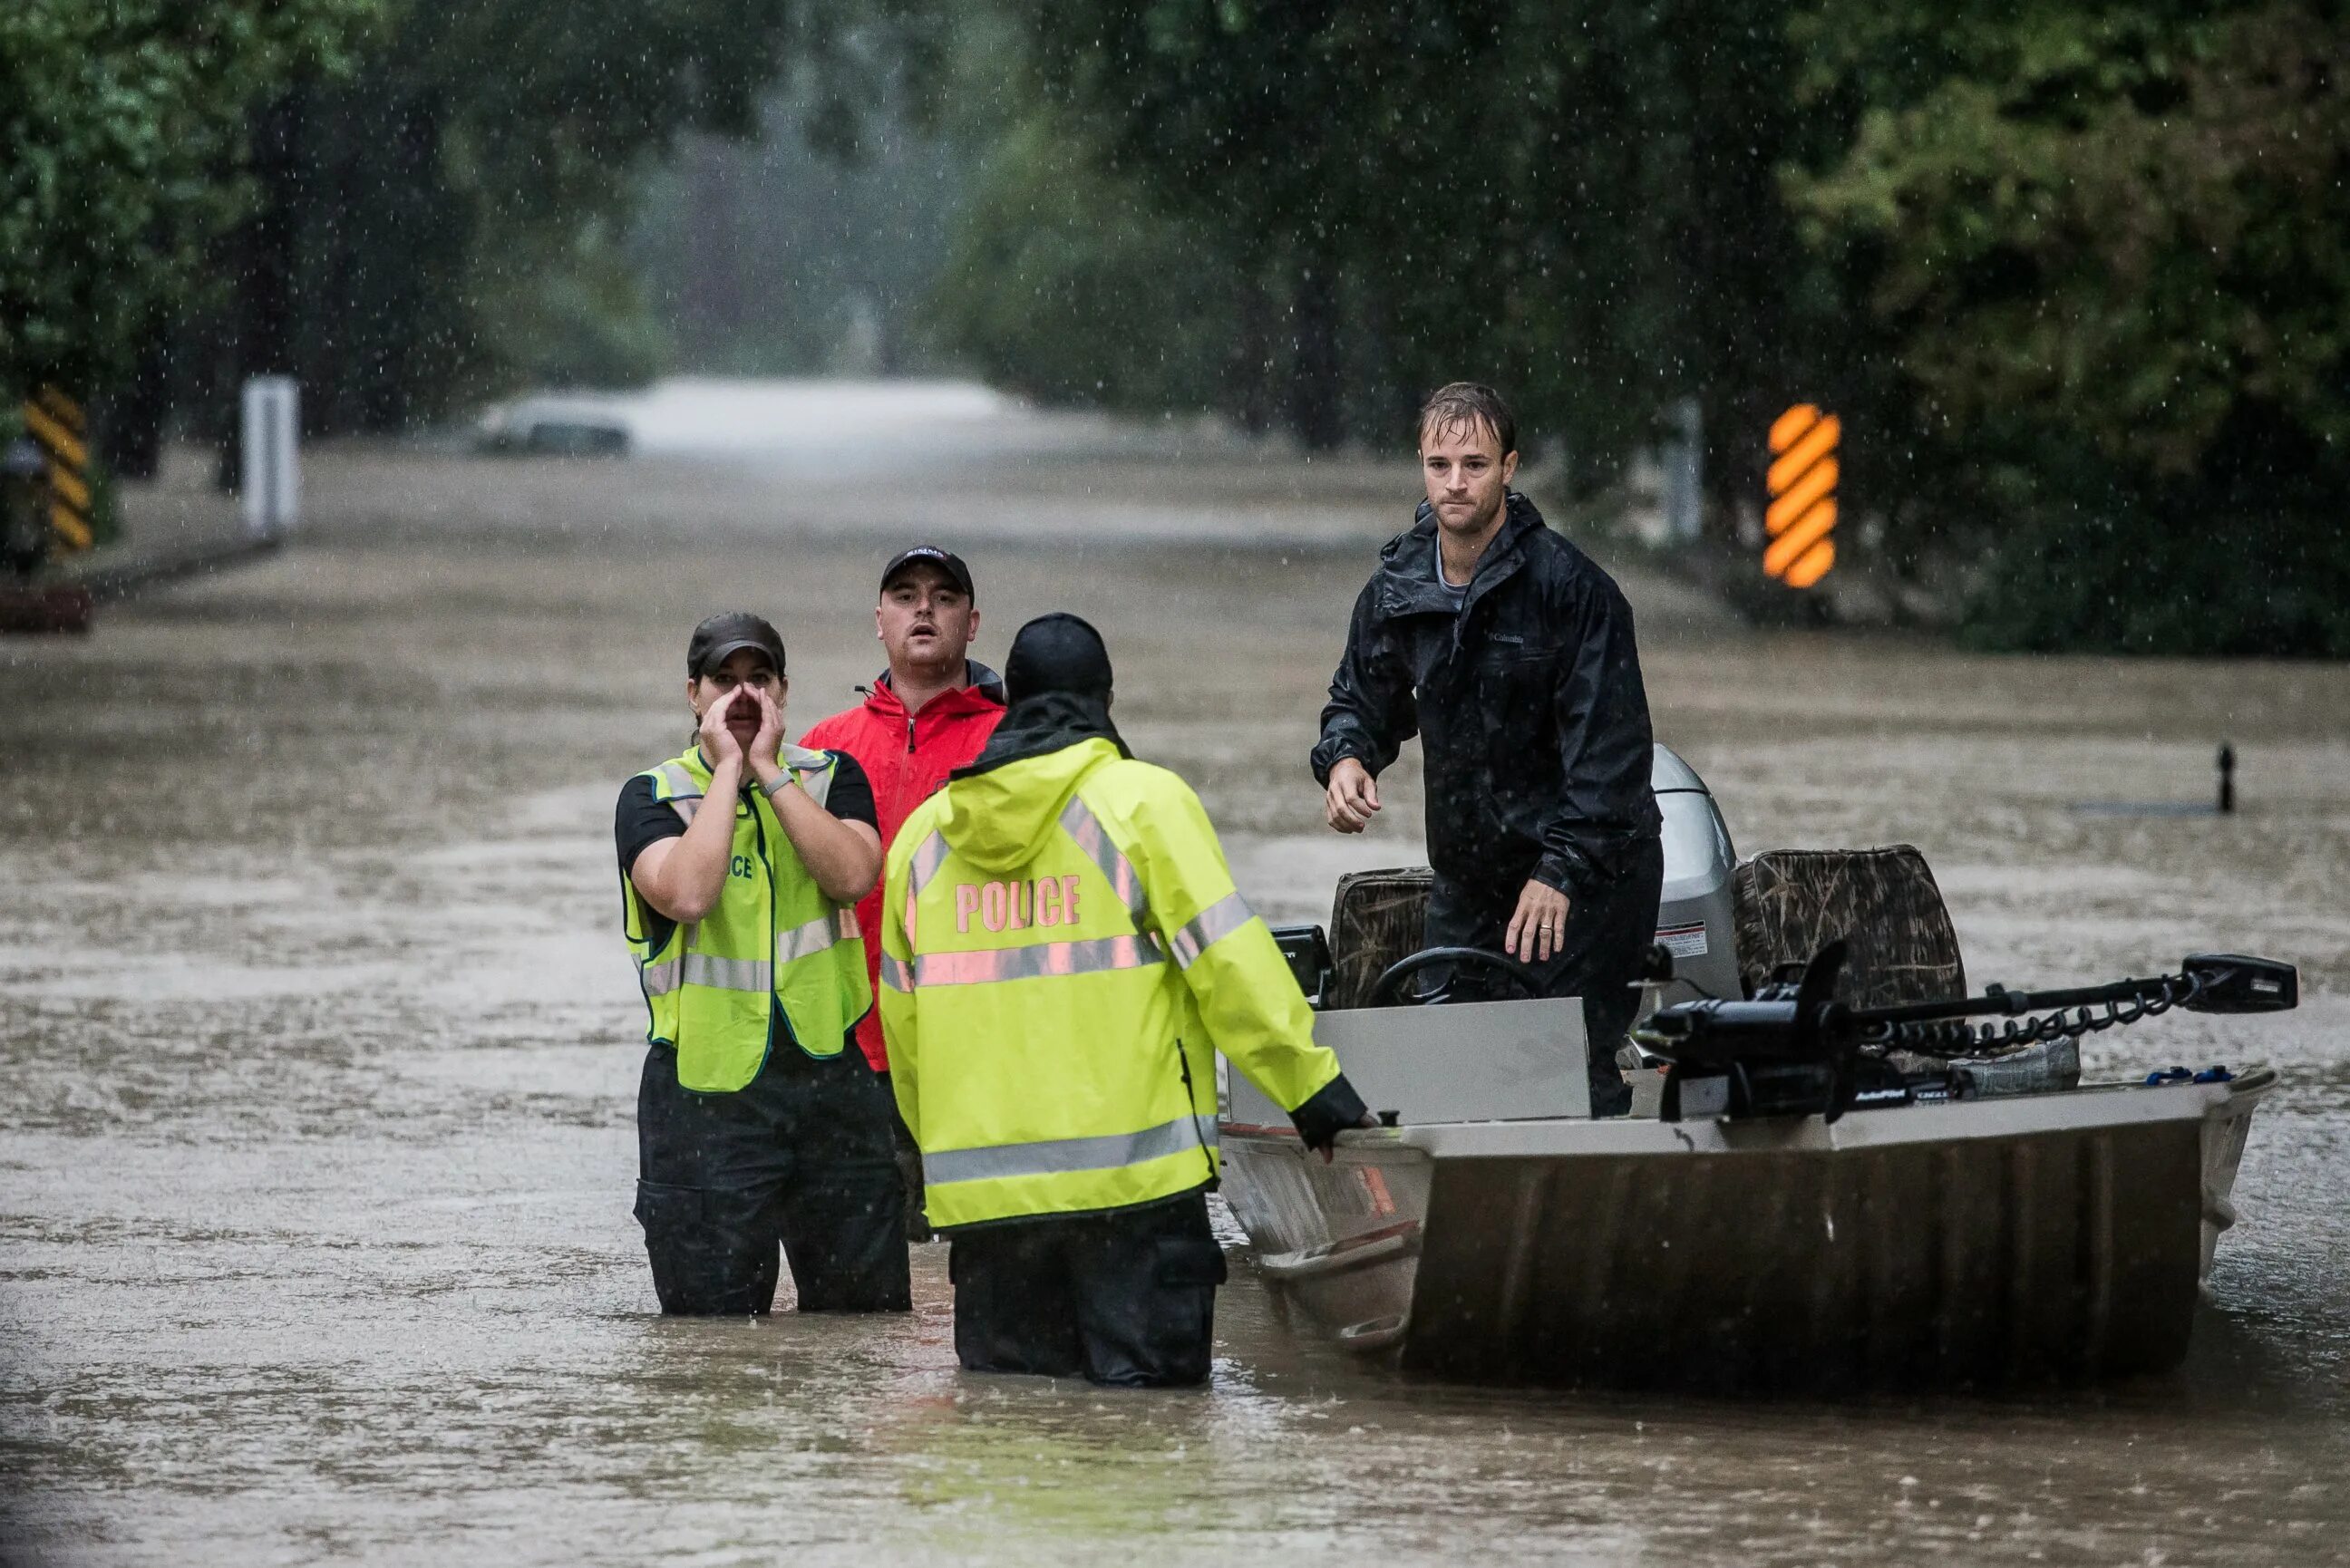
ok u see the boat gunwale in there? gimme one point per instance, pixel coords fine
(2104, 1105)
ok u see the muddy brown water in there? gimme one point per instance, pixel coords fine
(319, 1048)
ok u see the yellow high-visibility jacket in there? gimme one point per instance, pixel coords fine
(774, 940)
(1062, 953)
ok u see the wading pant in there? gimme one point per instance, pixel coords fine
(1609, 928)
(909, 1170)
(1126, 1298)
(798, 1159)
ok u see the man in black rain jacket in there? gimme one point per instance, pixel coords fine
(1510, 653)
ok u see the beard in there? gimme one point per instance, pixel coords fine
(1479, 520)
(936, 652)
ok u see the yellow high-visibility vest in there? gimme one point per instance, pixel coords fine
(1062, 953)
(774, 941)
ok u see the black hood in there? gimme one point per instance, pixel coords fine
(1044, 723)
(1408, 576)
(1057, 652)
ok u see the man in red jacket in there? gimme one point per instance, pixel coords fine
(928, 714)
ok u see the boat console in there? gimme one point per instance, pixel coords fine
(1480, 1060)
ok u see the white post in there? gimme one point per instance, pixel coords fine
(1685, 473)
(271, 480)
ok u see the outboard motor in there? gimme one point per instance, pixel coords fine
(1693, 915)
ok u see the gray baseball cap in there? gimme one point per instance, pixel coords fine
(721, 636)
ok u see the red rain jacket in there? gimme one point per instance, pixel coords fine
(907, 757)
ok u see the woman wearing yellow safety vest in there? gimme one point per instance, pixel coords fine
(742, 861)
(1062, 955)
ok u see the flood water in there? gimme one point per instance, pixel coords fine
(320, 1045)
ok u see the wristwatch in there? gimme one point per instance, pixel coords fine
(783, 778)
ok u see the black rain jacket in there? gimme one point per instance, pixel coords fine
(1528, 700)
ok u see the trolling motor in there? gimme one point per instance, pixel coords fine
(1793, 1050)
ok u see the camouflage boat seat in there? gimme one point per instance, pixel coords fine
(1376, 919)
(1787, 904)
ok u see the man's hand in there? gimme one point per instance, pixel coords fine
(1539, 927)
(770, 738)
(718, 742)
(1352, 798)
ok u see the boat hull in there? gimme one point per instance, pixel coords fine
(2050, 1238)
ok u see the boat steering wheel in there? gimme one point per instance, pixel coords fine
(1387, 990)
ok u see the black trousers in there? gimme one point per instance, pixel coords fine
(1609, 928)
(798, 1159)
(910, 1168)
(1126, 1298)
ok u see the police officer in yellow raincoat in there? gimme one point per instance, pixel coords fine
(1062, 955)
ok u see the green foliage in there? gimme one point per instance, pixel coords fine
(1576, 202)
(565, 309)
(123, 124)
(2127, 224)
(2103, 256)
(452, 202)
(2075, 272)
(1055, 265)
(438, 221)
(2130, 579)
(426, 192)
(777, 257)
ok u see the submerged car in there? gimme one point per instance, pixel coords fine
(1841, 1171)
(554, 426)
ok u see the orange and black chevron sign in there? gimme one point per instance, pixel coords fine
(55, 423)
(1803, 484)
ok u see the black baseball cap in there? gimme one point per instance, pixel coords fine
(721, 636)
(946, 561)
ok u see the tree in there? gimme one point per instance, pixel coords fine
(443, 216)
(2104, 250)
(1576, 203)
(123, 125)
(1054, 265)
(2077, 271)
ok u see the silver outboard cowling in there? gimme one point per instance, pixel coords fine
(1693, 914)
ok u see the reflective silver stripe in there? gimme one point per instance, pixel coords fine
(1096, 956)
(715, 973)
(1217, 921)
(729, 974)
(684, 793)
(927, 856)
(1079, 823)
(801, 942)
(895, 975)
(813, 768)
(1059, 1157)
(921, 869)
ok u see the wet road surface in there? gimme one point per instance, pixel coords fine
(320, 1048)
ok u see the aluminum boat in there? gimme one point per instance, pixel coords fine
(1954, 1209)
